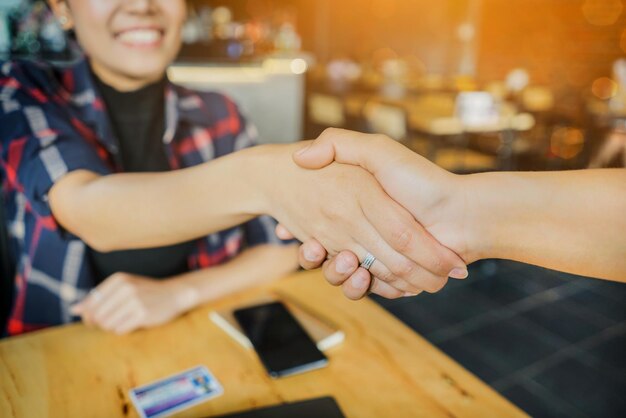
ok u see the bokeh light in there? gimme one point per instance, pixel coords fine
(602, 12)
(604, 88)
(298, 66)
(567, 142)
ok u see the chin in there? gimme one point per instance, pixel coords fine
(144, 70)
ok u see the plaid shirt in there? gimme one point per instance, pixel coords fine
(53, 121)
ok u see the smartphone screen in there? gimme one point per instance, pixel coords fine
(280, 341)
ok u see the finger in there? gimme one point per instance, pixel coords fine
(396, 268)
(283, 233)
(76, 310)
(114, 303)
(375, 153)
(382, 273)
(127, 327)
(368, 151)
(357, 285)
(315, 154)
(408, 237)
(311, 254)
(102, 292)
(339, 268)
(118, 317)
(361, 283)
(414, 281)
(383, 289)
(400, 268)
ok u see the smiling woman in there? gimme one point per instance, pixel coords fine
(130, 45)
(117, 177)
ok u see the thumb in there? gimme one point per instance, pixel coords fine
(371, 152)
(316, 154)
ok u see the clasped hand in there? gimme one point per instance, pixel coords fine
(423, 232)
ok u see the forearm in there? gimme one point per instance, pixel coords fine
(253, 267)
(568, 221)
(140, 210)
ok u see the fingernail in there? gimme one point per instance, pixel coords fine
(310, 255)
(459, 273)
(360, 282)
(303, 150)
(410, 295)
(342, 266)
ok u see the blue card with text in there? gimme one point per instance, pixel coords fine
(175, 393)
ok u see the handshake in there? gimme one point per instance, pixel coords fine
(403, 228)
(382, 219)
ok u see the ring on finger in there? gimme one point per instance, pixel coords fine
(368, 261)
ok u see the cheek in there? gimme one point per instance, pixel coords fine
(176, 12)
(90, 20)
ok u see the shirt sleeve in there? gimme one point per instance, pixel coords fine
(39, 139)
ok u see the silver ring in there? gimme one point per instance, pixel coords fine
(369, 260)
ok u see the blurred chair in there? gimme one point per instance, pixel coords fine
(612, 152)
(6, 272)
(434, 115)
(387, 120)
(353, 105)
(326, 111)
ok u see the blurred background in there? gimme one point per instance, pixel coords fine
(473, 85)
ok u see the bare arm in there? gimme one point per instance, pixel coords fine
(341, 206)
(571, 221)
(124, 302)
(568, 221)
(254, 267)
(142, 210)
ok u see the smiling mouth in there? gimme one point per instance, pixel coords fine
(140, 37)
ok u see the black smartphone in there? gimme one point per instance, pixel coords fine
(280, 341)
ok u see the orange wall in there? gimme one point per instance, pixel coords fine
(551, 38)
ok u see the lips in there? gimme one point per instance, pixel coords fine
(140, 37)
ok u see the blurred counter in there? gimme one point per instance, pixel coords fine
(270, 93)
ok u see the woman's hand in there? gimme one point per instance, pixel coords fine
(124, 303)
(431, 195)
(343, 207)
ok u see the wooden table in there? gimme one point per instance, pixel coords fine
(383, 369)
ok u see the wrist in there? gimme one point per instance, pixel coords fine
(491, 216)
(441, 202)
(185, 296)
(268, 166)
(473, 225)
(459, 209)
(253, 169)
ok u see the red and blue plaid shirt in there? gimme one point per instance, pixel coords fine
(53, 121)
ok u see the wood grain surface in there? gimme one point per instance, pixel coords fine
(383, 369)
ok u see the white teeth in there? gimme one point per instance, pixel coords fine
(140, 36)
